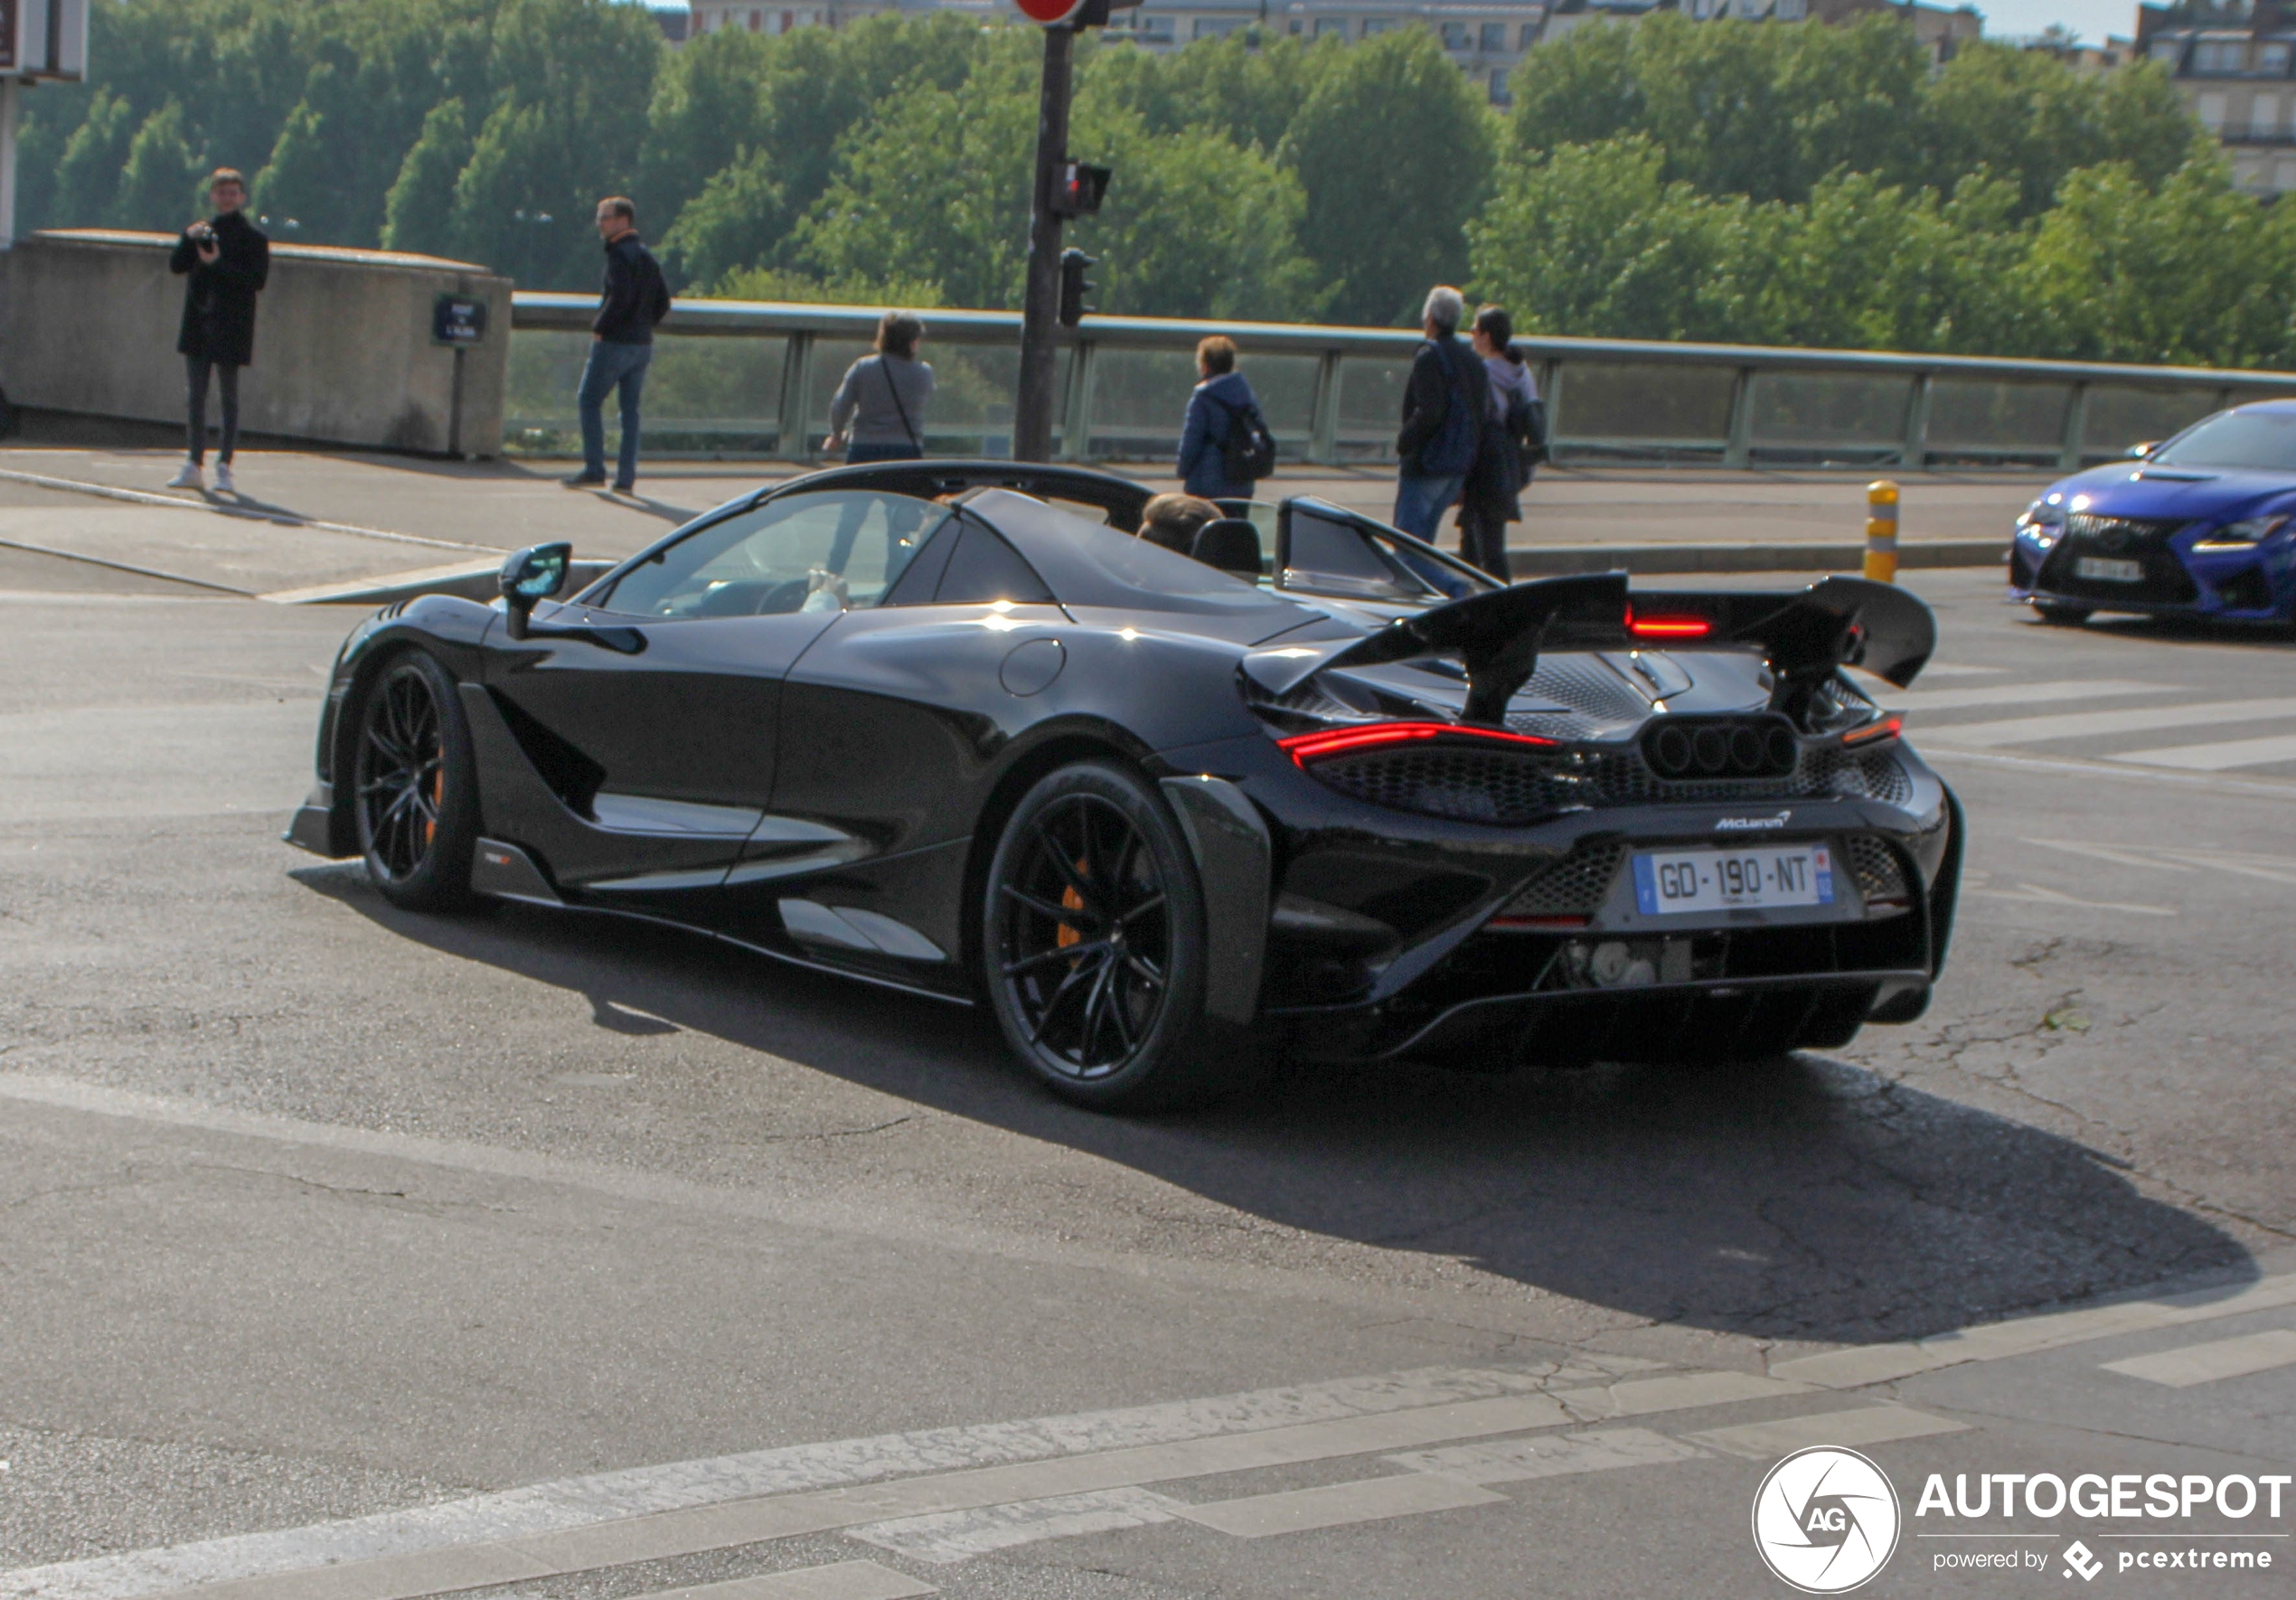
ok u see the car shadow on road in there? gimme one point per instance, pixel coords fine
(1803, 1197)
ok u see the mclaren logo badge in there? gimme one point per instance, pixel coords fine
(1751, 824)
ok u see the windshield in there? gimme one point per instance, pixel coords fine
(833, 550)
(2256, 441)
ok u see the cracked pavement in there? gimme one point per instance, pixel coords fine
(315, 1208)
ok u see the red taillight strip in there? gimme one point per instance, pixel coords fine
(1303, 748)
(1668, 628)
(1887, 728)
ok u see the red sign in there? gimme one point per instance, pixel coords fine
(1049, 12)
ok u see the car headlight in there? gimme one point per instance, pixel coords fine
(2042, 523)
(2244, 534)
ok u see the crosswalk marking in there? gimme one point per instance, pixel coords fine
(1868, 1424)
(2217, 758)
(2207, 1363)
(946, 1537)
(1883, 1363)
(2015, 694)
(1515, 1461)
(2100, 724)
(839, 1580)
(1334, 1505)
(1675, 1392)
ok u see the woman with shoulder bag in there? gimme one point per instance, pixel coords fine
(1513, 442)
(879, 411)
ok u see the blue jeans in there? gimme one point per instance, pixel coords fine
(1420, 503)
(612, 366)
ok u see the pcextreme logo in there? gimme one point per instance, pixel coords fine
(1825, 1520)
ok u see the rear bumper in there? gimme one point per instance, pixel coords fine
(1655, 1023)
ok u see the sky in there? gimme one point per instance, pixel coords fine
(2092, 20)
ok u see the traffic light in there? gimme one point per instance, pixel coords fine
(1077, 187)
(1074, 286)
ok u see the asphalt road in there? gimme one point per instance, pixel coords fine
(587, 1261)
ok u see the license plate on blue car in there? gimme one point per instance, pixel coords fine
(1696, 880)
(2105, 568)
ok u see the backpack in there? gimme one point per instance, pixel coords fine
(1248, 450)
(1452, 451)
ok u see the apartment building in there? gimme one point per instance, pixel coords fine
(2236, 68)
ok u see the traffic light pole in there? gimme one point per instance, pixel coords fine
(1040, 309)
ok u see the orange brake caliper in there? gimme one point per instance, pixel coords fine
(1073, 901)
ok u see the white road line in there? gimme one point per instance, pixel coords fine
(580, 1502)
(959, 1536)
(1993, 1341)
(754, 1520)
(2216, 757)
(2016, 694)
(1675, 1392)
(2207, 1363)
(839, 1580)
(2080, 767)
(2098, 724)
(1515, 1461)
(1870, 1425)
(1336, 1505)
(1953, 669)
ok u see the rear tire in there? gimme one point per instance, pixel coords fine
(2060, 615)
(414, 794)
(1093, 947)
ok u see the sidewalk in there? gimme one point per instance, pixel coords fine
(312, 519)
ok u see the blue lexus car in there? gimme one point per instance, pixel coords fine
(2203, 526)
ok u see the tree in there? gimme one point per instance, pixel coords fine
(1394, 150)
(739, 221)
(419, 210)
(88, 175)
(159, 184)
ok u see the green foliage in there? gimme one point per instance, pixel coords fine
(1722, 180)
(1392, 135)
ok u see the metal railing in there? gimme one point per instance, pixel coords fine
(739, 378)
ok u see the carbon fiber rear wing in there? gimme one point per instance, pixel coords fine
(1805, 636)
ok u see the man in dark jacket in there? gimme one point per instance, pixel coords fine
(227, 261)
(635, 298)
(1445, 403)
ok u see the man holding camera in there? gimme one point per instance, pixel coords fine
(226, 260)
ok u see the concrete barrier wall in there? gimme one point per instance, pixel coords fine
(344, 354)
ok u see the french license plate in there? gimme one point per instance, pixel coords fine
(2108, 571)
(1675, 881)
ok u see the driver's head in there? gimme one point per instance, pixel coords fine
(1172, 520)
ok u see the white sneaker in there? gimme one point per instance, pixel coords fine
(187, 477)
(223, 484)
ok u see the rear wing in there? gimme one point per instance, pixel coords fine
(1806, 637)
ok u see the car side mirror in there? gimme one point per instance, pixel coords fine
(530, 576)
(2143, 452)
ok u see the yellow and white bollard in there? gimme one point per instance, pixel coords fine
(1881, 531)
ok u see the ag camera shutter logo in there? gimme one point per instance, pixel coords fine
(1825, 1520)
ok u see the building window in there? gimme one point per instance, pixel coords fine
(1296, 24)
(2216, 56)
(1157, 29)
(1216, 27)
(1377, 24)
(1530, 35)
(2272, 58)
(1499, 95)
(1455, 36)
(2263, 117)
(2167, 50)
(1330, 24)
(1494, 37)
(2212, 112)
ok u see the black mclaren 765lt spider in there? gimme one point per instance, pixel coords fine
(951, 726)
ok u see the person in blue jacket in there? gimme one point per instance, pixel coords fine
(1213, 407)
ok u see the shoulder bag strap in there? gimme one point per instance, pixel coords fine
(907, 427)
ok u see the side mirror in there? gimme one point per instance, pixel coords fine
(2143, 452)
(530, 576)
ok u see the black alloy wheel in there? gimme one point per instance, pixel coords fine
(415, 795)
(1093, 941)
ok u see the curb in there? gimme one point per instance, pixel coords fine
(1845, 556)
